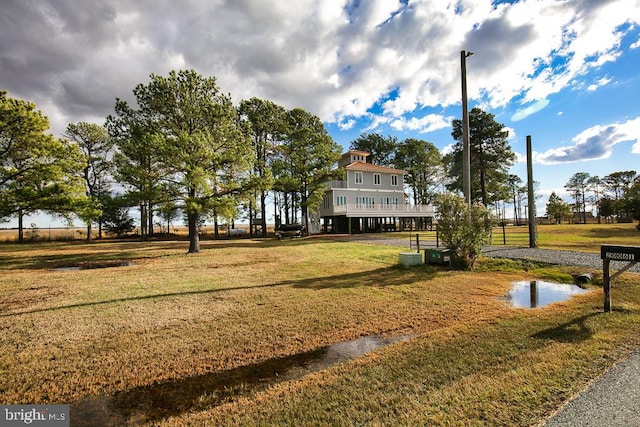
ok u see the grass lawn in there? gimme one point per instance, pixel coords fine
(158, 330)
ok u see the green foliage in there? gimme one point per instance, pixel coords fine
(168, 212)
(381, 149)
(37, 171)
(491, 157)
(422, 162)
(607, 207)
(515, 191)
(577, 186)
(115, 216)
(95, 145)
(201, 149)
(138, 160)
(632, 201)
(557, 208)
(616, 199)
(463, 229)
(266, 124)
(311, 155)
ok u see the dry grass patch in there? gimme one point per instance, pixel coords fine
(170, 321)
(75, 333)
(515, 369)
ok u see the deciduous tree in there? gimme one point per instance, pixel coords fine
(517, 192)
(632, 200)
(115, 215)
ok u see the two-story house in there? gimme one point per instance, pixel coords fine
(369, 198)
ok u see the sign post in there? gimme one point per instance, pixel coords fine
(609, 253)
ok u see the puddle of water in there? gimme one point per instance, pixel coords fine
(93, 265)
(151, 403)
(537, 293)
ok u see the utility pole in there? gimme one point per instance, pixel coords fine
(466, 151)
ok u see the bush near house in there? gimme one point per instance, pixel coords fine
(463, 229)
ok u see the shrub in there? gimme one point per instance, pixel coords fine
(463, 229)
(33, 233)
(115, 216)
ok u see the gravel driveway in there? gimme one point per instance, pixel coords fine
(551, 256)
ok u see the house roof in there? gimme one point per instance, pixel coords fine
(361, 166)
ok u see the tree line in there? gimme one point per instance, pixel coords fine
(185, 151)
(615, 197)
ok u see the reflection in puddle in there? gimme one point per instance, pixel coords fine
(92, 265)
(150, 403)
(537, 293)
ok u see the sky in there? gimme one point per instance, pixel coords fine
(566, 72)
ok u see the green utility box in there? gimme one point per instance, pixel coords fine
(437, 256)
(409, 259)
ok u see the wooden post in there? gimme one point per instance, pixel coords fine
(609, 253)
(418, 242)
(606, 285)
(533, 233)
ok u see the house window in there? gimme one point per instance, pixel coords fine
(358, 177)
(326, 202)
(394, 180)
(365, 201)
(388, 200)
(376, 179)
(341, 200)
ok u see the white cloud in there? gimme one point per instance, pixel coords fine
(337, 59)
(601, 82)
(425, 124)
(520, 158)
(347, 124)
(447, 149)
(511, 133)
(529, 110)
(594, 143)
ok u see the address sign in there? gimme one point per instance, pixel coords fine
(620, 253)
